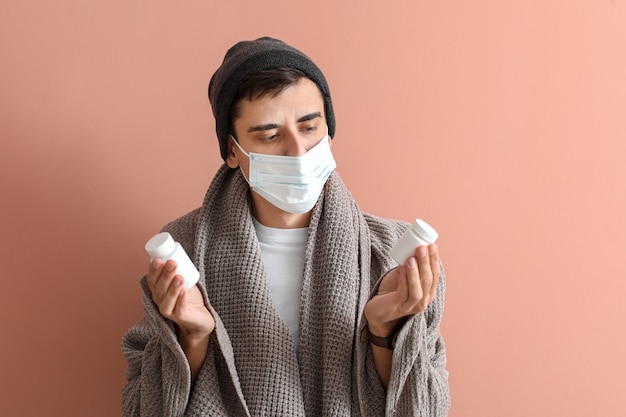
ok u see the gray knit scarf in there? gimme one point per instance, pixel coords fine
(251, 368)
(333, 295)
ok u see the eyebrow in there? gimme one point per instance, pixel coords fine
(270, 126)
(309, 116)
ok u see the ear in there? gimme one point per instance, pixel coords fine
(231, 157)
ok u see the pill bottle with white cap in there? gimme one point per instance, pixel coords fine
(420, 233)
(163, 246)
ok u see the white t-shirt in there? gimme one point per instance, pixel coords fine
(282, 251)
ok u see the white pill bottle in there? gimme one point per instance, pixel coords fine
(420, 233)
(163, 247)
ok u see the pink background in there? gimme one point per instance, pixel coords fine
(501, 123)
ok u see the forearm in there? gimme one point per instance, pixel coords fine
(382, 362)
(382, 356)
(195, 348)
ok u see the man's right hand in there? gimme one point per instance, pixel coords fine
(185, 308)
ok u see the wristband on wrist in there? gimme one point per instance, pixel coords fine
(388, 342)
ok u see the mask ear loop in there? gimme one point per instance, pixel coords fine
(239, 146)
(245, 153)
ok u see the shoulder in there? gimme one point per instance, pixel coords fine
(383, 234)
(384, 229)
(184, 228)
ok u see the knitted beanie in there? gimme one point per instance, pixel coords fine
(247, 58)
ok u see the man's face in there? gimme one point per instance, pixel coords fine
(288, 124)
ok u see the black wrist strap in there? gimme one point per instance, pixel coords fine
(388, 342)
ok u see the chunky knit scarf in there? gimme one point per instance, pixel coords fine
(251, 367)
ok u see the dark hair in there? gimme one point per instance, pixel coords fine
(247, 58)
(268, 83)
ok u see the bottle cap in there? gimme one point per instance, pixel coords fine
(161, 245)
(425, 231)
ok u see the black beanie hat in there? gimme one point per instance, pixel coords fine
(247, 58)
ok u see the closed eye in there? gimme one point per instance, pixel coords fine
(308, 128)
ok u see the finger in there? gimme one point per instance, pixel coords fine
(167, 306)
(401, 289)
(414, 287)
(425, 273)
(154, 271)
(163, 281)
(435, 266)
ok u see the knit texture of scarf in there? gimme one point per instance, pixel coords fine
(251, 368)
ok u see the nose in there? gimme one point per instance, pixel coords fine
(295, 144)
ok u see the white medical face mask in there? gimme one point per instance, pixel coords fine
(291, 183)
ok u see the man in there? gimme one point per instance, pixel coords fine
(299, 309)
